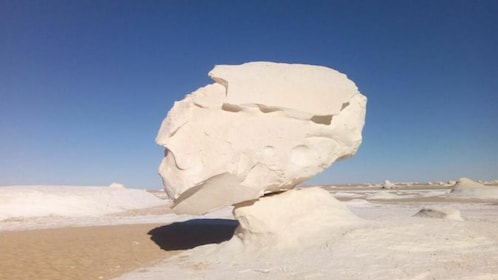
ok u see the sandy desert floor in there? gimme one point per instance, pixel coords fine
(98, 247)
(100, 252)
(392, 243)
(151, 243)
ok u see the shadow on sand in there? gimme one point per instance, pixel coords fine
(193, 233)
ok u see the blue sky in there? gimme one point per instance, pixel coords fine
(84, 85)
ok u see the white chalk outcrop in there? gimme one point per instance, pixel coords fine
(466, 187)
(262, 127)
(294, 219)
(388, 185)
(117, 185)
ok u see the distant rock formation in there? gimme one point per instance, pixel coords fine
(261, 128)
(466, 187)
(388, 185)
(465, 183)
(116, 185)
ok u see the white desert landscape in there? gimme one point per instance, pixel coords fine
(273, 140)
(235, 207)
(411, 232)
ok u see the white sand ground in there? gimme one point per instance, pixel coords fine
(71, 201)
(41, 207)
(390, 243)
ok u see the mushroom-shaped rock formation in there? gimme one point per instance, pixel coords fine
(262, 127)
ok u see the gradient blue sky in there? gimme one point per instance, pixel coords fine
(84, 85)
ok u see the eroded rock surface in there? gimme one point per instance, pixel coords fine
(293, 219)
(469, 188)
(262, 127)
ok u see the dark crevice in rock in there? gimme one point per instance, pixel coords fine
(199, 105)
(267, 109)
(344, 105)
(231, 108)
(326, 120)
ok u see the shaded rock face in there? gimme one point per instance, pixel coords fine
(262, 127)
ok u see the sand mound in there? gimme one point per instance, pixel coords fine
(467, 183)
(71, 201)
(466, 187)
(449, 214)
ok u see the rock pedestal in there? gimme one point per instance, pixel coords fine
(292, 219)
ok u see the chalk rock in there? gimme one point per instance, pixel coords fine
(449, 214)
(116, 185)
(293, 219)
(262, 127)
(467, 183)
(388, 185)
(466, 187)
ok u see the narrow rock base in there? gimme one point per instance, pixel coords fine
(292, 219)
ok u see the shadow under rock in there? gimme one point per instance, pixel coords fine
(190, 234)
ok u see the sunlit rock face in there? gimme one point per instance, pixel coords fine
(294, 219)
(469, 188)
(262, 127)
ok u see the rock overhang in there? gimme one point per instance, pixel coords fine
(261, 127)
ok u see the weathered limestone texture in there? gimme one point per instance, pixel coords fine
(293, 219)
(262, 127)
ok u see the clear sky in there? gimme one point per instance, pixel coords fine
(84, 85)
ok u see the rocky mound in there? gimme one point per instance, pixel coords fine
(466, 187)
(449, 214)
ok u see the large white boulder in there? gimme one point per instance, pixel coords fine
(262, 127)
